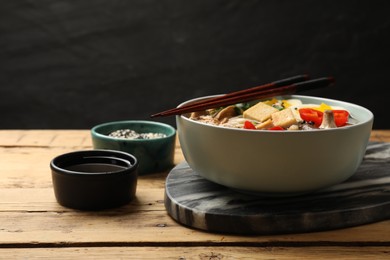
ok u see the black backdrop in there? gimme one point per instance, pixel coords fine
(74, 64)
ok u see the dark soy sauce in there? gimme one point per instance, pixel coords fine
(95, 168)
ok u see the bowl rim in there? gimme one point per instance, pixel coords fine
(95, 133)
(368, 120)
(97, 154)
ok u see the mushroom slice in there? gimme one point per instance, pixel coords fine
(226, 113)
(328, 120)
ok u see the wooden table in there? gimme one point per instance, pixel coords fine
(33, 224)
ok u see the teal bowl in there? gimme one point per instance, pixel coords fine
(154, 155)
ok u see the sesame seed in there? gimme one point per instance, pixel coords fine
(131, 134)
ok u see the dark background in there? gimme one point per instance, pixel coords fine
(74, 64)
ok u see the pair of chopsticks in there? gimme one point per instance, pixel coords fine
(280, 87)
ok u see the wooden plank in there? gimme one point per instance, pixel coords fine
(25, 155)
(380, 135)
(147, 228)
(201, 253)
(35, 217)
(79, 138)
(43, 200)
(36, 138)
(29, 167)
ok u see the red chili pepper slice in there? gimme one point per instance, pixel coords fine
(340, 117)
(311, 115)
(276, 128)
(249, 125)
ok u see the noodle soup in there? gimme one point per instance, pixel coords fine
(276, 114)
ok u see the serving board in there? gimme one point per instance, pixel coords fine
(198, 203)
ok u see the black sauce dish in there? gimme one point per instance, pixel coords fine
(94, 179)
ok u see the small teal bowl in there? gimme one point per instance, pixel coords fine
(154, 155)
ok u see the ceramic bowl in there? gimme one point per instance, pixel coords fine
(94, 179)
(154, 155)
(276, 162)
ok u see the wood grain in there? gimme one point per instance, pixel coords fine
(34, 224)
(201, 253)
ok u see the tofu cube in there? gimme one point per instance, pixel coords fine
(259, 112)
(284, 118)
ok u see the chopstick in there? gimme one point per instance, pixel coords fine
(278, 83)
(280, 87)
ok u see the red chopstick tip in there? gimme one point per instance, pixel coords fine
(331, 79)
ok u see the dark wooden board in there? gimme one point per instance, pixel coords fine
(364, 198)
